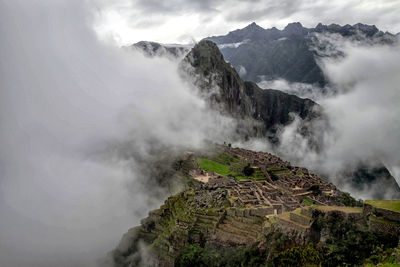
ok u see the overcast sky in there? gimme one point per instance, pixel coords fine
(179, 21)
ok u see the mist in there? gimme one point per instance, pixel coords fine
(79, 117)
(303, 90)
(363, 116)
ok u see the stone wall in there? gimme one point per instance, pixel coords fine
(384, 227)
(379, 212)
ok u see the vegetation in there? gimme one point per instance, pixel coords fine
(348, 200)
(385, 204)
(315, 189)
(230, 166)
(211, 165)
(299, 256)
(248, 170)
(275, 171)
(349, 243)
(307, 201)
(209, 255)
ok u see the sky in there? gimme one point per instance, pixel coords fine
(182, 21)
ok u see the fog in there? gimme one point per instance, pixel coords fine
(79, 118)
(363, 115)
(303, 90)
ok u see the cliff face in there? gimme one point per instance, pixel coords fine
(275, 54)
(242, 99)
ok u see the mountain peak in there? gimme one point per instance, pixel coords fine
(253, 27)
(365, 28)
(294, 25)
(294, 28)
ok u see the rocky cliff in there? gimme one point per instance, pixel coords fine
(224, 87)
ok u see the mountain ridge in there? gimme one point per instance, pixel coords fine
(244, 99)
(269, 54)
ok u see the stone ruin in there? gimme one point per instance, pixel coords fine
(284, 194)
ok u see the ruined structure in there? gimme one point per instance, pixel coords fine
(229, 209)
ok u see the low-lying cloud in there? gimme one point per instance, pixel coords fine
(79, 119)
(303, 90)
(364, 121)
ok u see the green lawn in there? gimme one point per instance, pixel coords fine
(385, 204)
(234, 168)
(211, 165)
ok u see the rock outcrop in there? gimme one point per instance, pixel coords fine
(244, 100)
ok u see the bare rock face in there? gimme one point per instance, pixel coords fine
(287, 54)
(244, 100)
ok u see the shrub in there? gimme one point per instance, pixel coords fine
(247, 170)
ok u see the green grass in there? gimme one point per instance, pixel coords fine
(393, 205)
(278, 170)
(233, 167)
(211, 165)
(226, 159)
(307, 201)
(382, 220)
(300, 174)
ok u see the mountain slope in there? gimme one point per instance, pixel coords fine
(272, 54)
(230, 217)
(153, 49)
(239, 98)
(271, 108)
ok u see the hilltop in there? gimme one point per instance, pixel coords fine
(246, 207)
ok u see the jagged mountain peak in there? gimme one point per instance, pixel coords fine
(252, 26)
(295, 28)
(240, 98)
(294, 25)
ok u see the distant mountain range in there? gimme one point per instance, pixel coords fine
(268, 54)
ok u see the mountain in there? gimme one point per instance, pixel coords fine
(261, 112)
(239, 98)
(268, 54)
(246, 208)
(153, 49)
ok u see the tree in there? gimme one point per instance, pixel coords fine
(247, 170)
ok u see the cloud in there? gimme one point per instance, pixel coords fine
(363, 116)
(82, 123)
(303, 90)
(134, 21)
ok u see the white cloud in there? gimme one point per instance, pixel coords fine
(81, 122)
(363, 117)
(131, 21)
